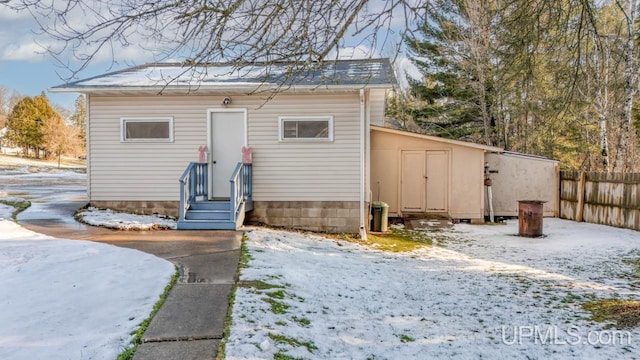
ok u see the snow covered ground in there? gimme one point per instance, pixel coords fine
(122, 221)
(481, 292)
(67, 299)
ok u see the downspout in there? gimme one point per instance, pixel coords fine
(87, 144)
(363, 128)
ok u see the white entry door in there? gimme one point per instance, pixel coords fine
(227, 136)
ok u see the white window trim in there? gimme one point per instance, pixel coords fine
(168, 119)
(282, 119)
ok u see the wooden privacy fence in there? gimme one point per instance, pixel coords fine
(601, 198)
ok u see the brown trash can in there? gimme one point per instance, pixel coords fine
(530, 218)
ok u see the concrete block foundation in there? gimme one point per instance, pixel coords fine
(320, 216)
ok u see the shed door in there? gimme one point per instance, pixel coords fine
(437, 179)
(413, 181)
(227, 136)
(424, 181)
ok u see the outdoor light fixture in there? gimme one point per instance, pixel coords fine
(226, 100)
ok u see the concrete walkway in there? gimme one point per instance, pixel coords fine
(190, 323)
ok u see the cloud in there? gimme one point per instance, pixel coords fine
(405, 70)
(353, 53)
(28, 51)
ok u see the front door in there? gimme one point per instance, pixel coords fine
(227, 136)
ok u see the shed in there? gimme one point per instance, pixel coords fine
(518, 176)
(421, 174)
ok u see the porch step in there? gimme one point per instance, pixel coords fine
(207, 215)
(211, 205)
(206, 225)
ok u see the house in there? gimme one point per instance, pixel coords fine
(148, 127)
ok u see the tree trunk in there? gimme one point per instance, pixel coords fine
(630, 87)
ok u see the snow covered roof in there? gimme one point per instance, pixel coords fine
(175, 77)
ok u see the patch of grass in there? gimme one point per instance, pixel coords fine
(281, 339)
(282, 356)
(399, 240)
(406, 338)
(226, 329)
(279, 294)
(277, 307)
(19, 206)
(245, 256)
(625, 313)
(258, 285)
(128, 353)
(304, 322)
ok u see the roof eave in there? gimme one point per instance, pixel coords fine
(440, 139)
(208, 89)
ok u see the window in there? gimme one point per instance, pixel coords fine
(311, 128)
(147, 129)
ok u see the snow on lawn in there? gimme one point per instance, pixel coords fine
(6, 211)
(68, 299)
(480, 293)
(123, 221)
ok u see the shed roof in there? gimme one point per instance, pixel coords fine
(211, 78)
(438, 139)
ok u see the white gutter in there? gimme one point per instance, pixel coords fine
(363, 128)
(87, 137)
(220, 88)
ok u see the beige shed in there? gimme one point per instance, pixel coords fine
(418, 174)
(518, 176)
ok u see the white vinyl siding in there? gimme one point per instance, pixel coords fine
(283, 171)
(377, 102)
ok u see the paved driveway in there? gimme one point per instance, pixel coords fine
(189, 325)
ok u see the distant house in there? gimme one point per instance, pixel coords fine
(309, 141)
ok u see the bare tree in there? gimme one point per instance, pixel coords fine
(239, 32)
(59, 138)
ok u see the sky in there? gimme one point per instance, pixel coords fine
(25, 66)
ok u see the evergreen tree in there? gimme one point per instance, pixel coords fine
(79, 116)
(26, 120)
(456, 97)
